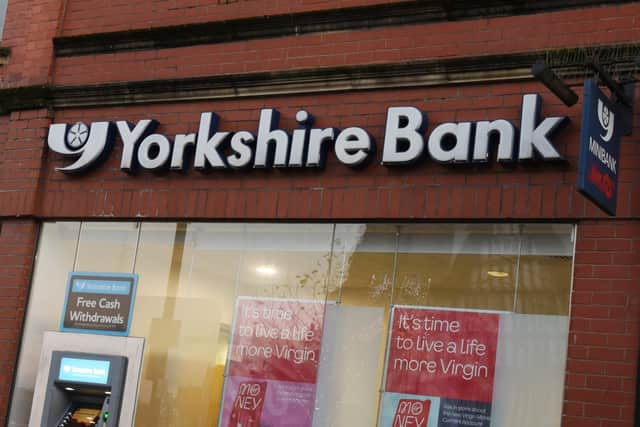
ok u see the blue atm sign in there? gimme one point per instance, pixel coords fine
(599, 149)
(99, 303)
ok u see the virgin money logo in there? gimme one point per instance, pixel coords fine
(412, 413)
(606, 119)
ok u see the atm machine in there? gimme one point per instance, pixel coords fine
(76, 388)
(84, 390)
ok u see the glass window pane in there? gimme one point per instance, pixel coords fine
(107, 247)
(363, 264)
(285, 260)
(544, 274)
(278, 322)
(151, 319)
(354, 341)
(184, 309)
(463, 266)
(213, 253)
(530, 370)
(471, 269)
(201, 284)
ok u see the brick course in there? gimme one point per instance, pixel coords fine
(585, 27)
(96, 16)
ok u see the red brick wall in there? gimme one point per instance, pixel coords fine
(22, 139)
(97, 16)
(17, 243)
(586, 27)
(29, 27)
(604, 331)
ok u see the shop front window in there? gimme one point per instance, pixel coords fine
(325, 324)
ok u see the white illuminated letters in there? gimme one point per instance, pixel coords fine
(242, 152)
(353, 146)
(180, 146)
(455, 134)
(130, 138)
(506, 140)
(535, 136)
(208, 144)
(268, 136)
(405, 126)
(405, 141)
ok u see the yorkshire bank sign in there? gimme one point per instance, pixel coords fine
(405, 142)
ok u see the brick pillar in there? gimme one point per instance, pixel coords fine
(17, 244)
(22, 142)
(605, 317)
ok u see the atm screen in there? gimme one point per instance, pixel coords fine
(84, 370)
(84, 417)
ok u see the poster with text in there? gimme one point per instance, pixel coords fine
(273, 363)
(440, 368)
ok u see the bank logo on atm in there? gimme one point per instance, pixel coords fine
(599, 149)
(99, 303)
(84, 370)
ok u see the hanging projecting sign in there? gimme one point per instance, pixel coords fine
(599, 149)
(99, 303)
(307, 147)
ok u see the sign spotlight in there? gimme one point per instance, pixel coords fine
(546, 76)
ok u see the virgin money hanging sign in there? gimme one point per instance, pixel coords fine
(599, 149)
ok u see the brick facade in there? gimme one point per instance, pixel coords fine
(84, 17)
(603, 337)
(17, 246)
(605, 317)
(378, 45)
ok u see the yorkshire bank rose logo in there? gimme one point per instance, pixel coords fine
(606, 118)
(87, 145)
(77, 136)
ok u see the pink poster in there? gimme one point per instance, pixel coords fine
(443, 361)
(273, 363)
(443, 353)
